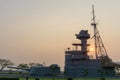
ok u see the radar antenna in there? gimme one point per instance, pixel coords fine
(100, 51)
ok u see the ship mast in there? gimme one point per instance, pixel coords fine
(95, 31)
(100, 51)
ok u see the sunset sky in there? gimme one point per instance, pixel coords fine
(41, 30)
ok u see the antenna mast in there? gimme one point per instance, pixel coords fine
(95, 30)
(100, 51)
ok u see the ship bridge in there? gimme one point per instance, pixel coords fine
(79, 54)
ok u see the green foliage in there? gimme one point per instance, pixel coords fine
(53, 67)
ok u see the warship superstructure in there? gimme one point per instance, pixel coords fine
(79, 64)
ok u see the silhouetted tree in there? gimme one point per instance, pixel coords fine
(38, 64)
(32, 64)
(23, 66)
(35, 64)
(5, 63)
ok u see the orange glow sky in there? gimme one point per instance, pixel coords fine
(40, 30)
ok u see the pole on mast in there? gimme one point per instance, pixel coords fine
(95, 31)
